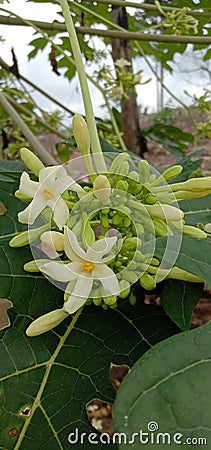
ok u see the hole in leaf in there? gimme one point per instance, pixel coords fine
(13, 432)
(3, 209)
(4, 319)
(100, 416)
(117, 374)
(25, 412)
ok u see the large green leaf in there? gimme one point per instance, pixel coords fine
(46, 381)
(197, 210)
(193, 256)
(179, 299)
(167, 391)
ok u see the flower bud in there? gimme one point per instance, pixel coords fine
(194, 184)
(165, 212)
(132, 299)
(148, 282)
(124, 287)
(179, 274)
(46, 322)
(28, 236)
(207, 228)
(110, 300)
(81, 134)
(22, 197)
(132, 244)
(53, 240)
(88, 235)
(161, 228)
(144, 171)
(35, 265)
(117, 162)
(31, 161)
(194, 232)
(172, 172)
(102, 188)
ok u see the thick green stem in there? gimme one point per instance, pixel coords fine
(95, 143)
(45, 157)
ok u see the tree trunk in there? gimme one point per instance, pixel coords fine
(130, 112)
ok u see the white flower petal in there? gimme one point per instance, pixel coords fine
(61, 212)
(28, 187)
(64, 183)
(100, 248)
(52, 172)
(107, 277)
(79, 295)
(59, 271)
(72, 247)
(74, 303)
(29, 214)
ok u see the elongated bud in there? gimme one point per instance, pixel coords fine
(165, 212)
(123, 169)
(144, 171)
(53, 240)
(81, 134)
(88, 235)
(31, 161)
(193, 232)
(172, 172)
(179, 274)
(46, 322)
(28, 236)
(35, 265)
(194, 184)
(102, 188)
(161, 228)
(188, 195)
(117, 162)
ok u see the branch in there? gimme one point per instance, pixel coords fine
(201, 40)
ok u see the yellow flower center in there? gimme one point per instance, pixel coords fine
(88, 267)
(47, 194)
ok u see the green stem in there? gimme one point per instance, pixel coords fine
(95, 143)
(36, 145)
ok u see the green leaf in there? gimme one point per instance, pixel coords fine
(47, 381)
(194, 255)
(179, 299)
(172, 138)
(167, 391)
(197, 210)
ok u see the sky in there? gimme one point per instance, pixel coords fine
(39, 71)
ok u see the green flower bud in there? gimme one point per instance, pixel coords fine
(165, 212)
(172, 172)
(148, 282)
(194, 184)
(104, 221)
(46, 322)
(116, 219)
(102, 188)
(118, 161)
(110, 300)
(131, 244)
(139, 257)
(161, 228)
(179, 274)
(124, 288)
(127, 222)
(81, 134)
(35, 265)
(132, 299)
(144, 171)
(133, 176)
(130, 276)
(31, 161)
(88, 236)
(98, 301)
(26, 237)
(122, 185)
(194, 232)
(123, 169)
(150, 199)
(53, 240)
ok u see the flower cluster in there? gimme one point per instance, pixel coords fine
(98, 240)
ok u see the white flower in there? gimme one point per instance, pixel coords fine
(53, 181)
(84, 269)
